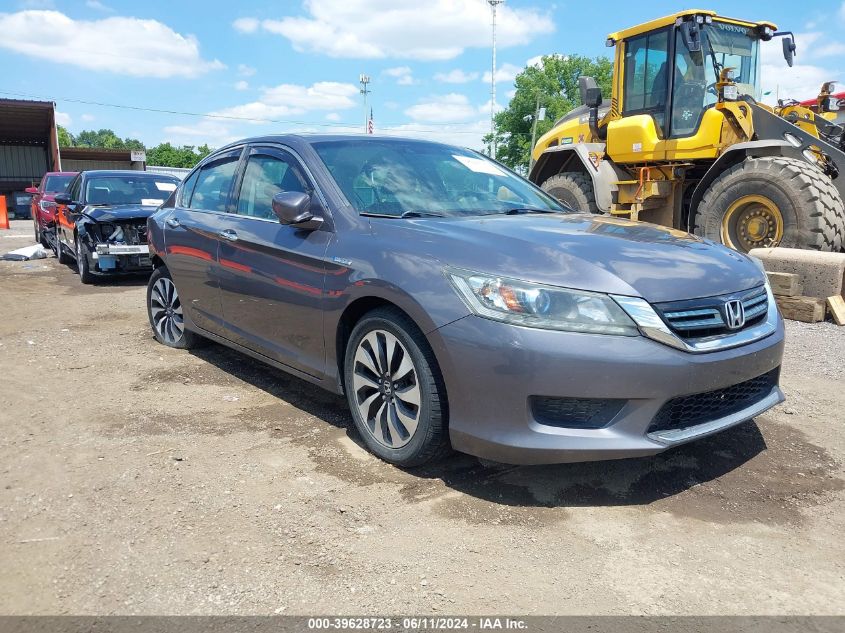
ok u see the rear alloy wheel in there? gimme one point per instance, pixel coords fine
(85, 274)
(574, 190)
(164, 308)
(394, 389)
(772, 201)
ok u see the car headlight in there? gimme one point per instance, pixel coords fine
(539, 306)
(46, 205)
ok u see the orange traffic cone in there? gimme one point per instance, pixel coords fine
(4, 215)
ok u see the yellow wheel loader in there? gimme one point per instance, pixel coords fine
(683, 141)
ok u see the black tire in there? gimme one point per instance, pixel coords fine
(182, 340)
(430, 440)
(38, 238)
(811, 207)
(82, 265)
(575, 190)
(61, 256)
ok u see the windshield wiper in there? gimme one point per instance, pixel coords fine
(405, 214)
(422, 214)
(521, 210)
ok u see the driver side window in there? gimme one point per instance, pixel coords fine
(265, 176)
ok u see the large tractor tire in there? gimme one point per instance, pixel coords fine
(575, 190)
(772, 201)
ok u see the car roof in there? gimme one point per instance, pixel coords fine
(298, 140)
(125, 172)
(61, 173)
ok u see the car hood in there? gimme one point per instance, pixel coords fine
(120, 212)
(585, 252)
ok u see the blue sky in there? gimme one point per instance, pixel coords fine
(294, 65)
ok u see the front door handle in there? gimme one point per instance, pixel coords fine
(228, 234)
(173, 222)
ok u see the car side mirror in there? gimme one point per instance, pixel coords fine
(590, 92)
(294, 208)
(788, 49)
(31, 190)
(63, 198)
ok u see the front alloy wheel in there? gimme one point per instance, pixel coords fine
(387, 391)
(395, 391)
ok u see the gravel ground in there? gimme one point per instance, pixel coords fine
(142, 480)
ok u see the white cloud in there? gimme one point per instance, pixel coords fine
(816, 61)
(87, 117)
(456, 76)
(241, 85)
(129, 46)
(98, 6)
(468, 134)
(245, 71)
(450, 108)
(206, 131)
(505, 73)
(63, 119)
(485, 108)
(246, 25)
(401, 28)
(292, 99)
(333, 116)
(403, 75)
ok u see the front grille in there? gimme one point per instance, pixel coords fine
(697, 318)
(575, 413)
(686, 411)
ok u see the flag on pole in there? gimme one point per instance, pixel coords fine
(370, 126)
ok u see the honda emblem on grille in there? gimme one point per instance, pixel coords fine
(734, 314)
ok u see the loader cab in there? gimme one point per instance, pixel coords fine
(666, 89)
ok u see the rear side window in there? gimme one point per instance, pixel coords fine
(214, 183)
(187, 189)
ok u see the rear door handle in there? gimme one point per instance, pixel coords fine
(228, 234)
(173, 222)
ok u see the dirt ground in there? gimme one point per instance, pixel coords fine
(135, 479)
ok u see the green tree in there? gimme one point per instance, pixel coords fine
(167, 155)
(555, 83)
(65, 138)
(106, 139)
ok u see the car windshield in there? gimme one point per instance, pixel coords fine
(57, 184)
(399, 178)
(129, 190)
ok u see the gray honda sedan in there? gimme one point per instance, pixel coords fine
(457, 306)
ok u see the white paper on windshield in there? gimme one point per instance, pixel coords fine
(151, 202)
(479, 165)
(166, 186)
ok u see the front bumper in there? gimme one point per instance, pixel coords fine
(117, 259)
(491, 371)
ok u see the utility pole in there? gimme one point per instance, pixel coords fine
(534, 133)
(493, 5)
(364, 80)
